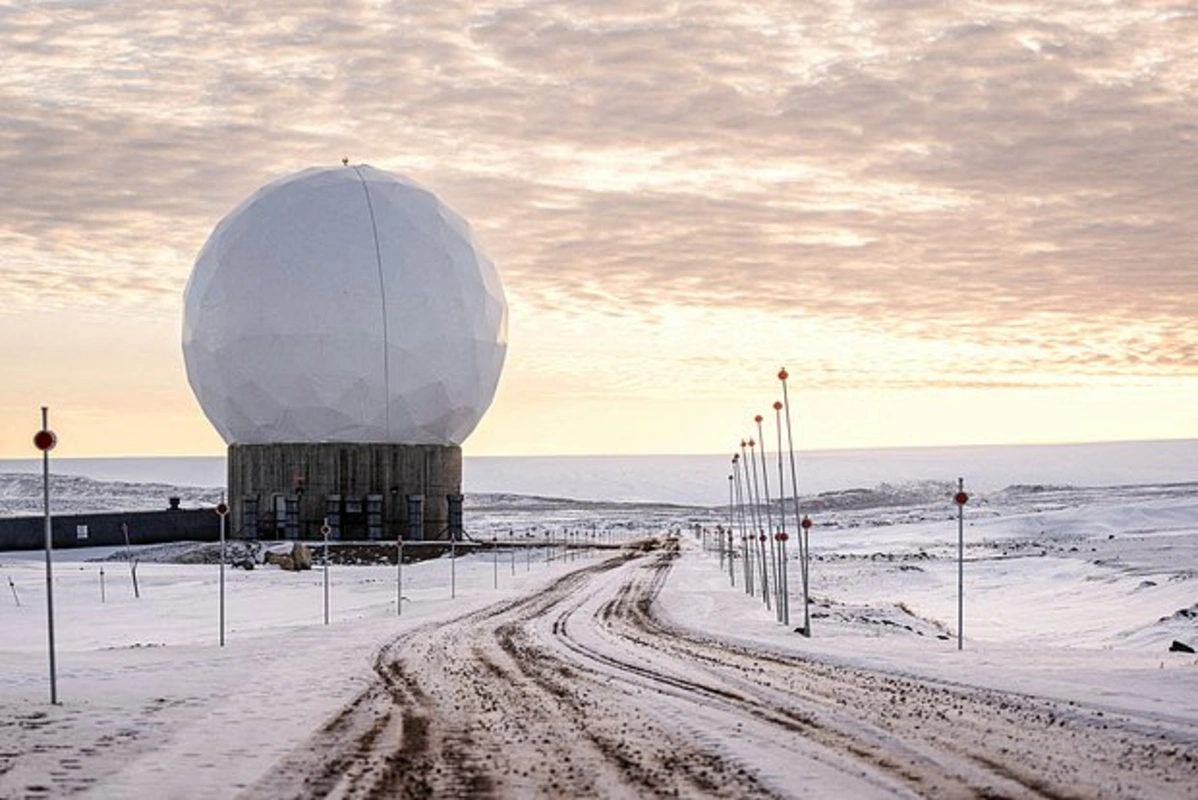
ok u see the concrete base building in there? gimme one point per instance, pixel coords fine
(364, 491)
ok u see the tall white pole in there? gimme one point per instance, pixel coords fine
(45, 440)
(399, 575)
(324, 529)
(131, 561)
(794, 488)
(961, 499)
(722, 538)
(760, 537)
(783, 577)
(732, 528)
(769, 518)
(221, 511)
(750, 519)
(741, 493)
(222, 580)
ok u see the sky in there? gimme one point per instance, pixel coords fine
(953, 223)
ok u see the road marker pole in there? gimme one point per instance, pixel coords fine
(737, 522)
(762, 562)
(45, 440)
(782, 537)
(800, 534)
(746, 515)
(132, 561)
(960, 498)
(805, 535)
(730, 513)
(324, 531)
(772, 560)
(783, 581)
(731, 538)
(222, 511)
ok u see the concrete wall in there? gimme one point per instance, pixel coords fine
(104, 529)
(351, 471)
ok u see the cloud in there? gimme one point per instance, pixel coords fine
(1005, 193)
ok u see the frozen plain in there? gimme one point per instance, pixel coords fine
(562, 682)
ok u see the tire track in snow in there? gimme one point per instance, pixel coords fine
(942, 740)
(581, 691)
(848, 752)
(471, 708)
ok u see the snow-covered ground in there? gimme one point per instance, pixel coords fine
(151, 705)
(1073, 595)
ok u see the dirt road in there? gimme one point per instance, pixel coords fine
(581, 691)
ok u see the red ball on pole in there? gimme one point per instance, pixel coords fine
(45, 440)
(960, 498)
(783, 374)
(777, 405)
(806, 523)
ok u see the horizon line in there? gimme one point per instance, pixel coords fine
(814, 450)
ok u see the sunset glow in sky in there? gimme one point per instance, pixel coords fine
(968, 222)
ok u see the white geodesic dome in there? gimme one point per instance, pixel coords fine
(343, 304)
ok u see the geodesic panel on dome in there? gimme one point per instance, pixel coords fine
(343, 305)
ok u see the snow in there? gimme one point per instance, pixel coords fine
(145, 687)
(1073, 592)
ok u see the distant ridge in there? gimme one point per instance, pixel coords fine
(702, 480)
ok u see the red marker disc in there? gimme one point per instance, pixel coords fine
(782, 374)
(806, 523)
(757, 418)
(222, 509)
(784, 536)
(44, 440)
(960, 498)
(777, 405)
